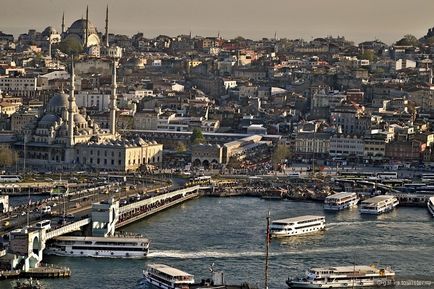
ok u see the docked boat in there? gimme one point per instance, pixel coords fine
(430, 205)
(344, 277)
(166, 277)
(118, 246)
(378, 205)
(296, 226)
(341, 201)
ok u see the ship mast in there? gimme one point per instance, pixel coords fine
(267, 247)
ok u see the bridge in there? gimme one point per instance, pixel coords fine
(138, 210)
(167, 136)
(66, 229)
(106, 216)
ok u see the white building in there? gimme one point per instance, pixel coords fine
(90, 99)
(346, 146)
(229, 83)
(20, 86)
(256, 129)
(404, 63)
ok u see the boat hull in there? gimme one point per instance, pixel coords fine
(285, 234)
(387, 209)
(431, 210)
(341, 207)
(343, 284)
(98, 254)
(162, 285)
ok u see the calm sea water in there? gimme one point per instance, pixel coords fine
(229, 233)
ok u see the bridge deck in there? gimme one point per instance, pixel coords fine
(76, 226)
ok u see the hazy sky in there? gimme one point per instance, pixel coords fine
(358, 20)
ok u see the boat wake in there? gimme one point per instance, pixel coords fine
(178, 254)
(377, 222)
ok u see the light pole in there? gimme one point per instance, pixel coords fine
(24, 159)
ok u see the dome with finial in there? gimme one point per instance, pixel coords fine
(49, 31)
(58, 103)
(79, 27)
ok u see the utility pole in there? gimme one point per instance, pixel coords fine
(267, 246)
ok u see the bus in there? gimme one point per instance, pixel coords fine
(427, 178)
(387, 175)
(10, 178)
(294, 175)
(355, 174)
(45, 224)
(117, 178)
(201, 180)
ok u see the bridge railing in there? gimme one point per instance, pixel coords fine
(67, 228)
(155, 199)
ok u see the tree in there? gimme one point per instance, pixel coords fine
(408, 39)
(430, 41)
(368, 54)
(7, 157)
(69, 46)
(197, 136)
(180, 147)
(281, 152)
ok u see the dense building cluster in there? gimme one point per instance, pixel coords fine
(327, 98)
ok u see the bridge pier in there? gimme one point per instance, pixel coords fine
(4, 204)
(105, 215)
(27, 245)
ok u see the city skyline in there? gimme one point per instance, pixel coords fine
(361, 21)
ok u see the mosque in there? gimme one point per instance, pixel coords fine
(65, 137)
(84, 33)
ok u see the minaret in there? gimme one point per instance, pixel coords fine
(49, 46)
(430, 76)
(113, 97)
(106, 28)
(71, 101)
(87, 26)
(63, 23)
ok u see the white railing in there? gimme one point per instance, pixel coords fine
(67, 228)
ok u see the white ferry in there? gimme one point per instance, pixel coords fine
(430, 205)
(378, 205)
(118, 246)
(341, 201)
(166, 277)
(344, 277)
(297, 226)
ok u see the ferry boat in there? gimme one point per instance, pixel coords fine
(378, 205)
(430, 205)
(297, 226)
(118, 246)
(344, 277)
(341, 201)
(166, 277)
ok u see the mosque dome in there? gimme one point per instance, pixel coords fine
(79, 120)
(48, 120)
(49, 31)
(79, 27)
(58, 103)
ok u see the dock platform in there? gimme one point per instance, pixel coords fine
(47, 272)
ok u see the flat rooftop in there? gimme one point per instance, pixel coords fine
(168, 270)
(298, 219)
